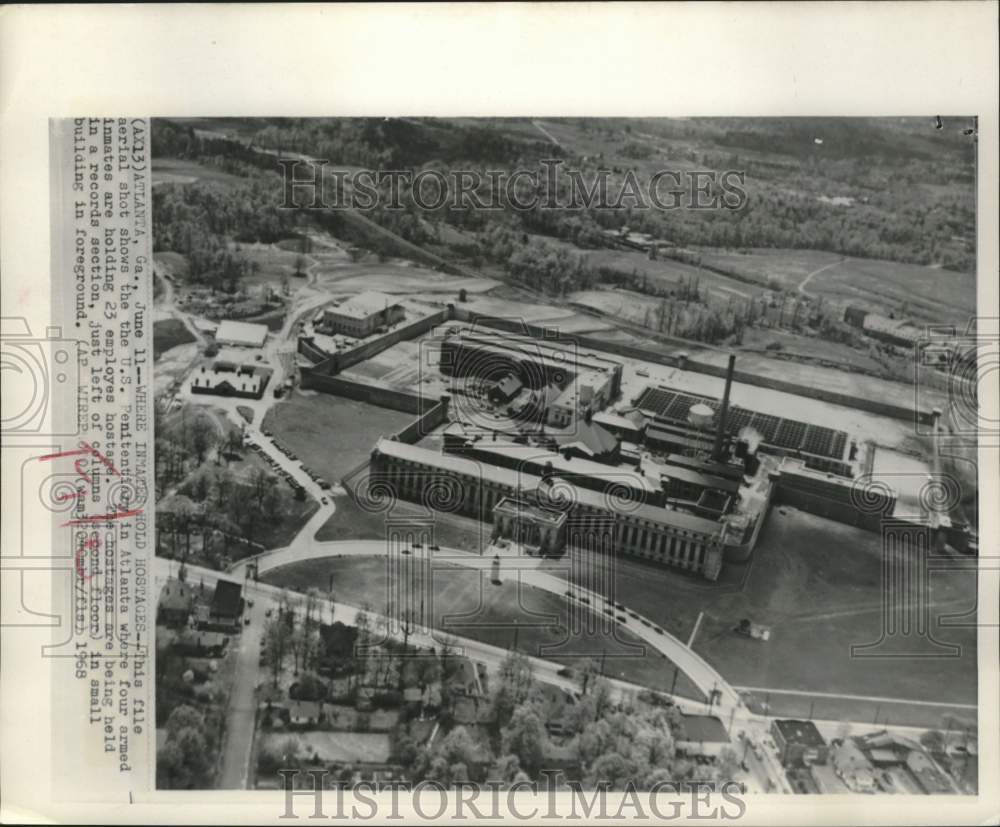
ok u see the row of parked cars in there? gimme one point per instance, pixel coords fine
(322, 483)
(275, 465)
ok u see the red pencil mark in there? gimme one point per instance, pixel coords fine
(86, 449)
(84, 453)
(100, 518)
(61, 498)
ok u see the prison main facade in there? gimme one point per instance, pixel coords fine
(453, 484)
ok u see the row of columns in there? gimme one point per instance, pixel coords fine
(640, 541)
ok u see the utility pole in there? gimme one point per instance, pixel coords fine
(673, 685)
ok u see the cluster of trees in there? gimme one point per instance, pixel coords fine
(611, 741)
(199, 221)
(186, 761)
(296, 630)
(210, 501)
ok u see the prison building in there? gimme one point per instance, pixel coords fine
(707, 495)
(586, 381)
(628, 428)
(672, 428)
(505, 389)
(538, 529)
(588, 440)
(539, 462)
(832, 496)
(472, 488)
(363, 314)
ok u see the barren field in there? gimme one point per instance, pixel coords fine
(925, 293)
(183, 171)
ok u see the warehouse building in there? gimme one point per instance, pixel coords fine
(241, 334)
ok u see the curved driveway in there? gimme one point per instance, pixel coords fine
(528, 568)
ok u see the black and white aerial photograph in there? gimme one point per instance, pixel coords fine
(573, 453)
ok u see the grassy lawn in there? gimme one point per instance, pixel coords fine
(350, 522)
(465, 603)
(817, 584)
(931, 293)
(332, 435)
(186, 171)
(169, 333)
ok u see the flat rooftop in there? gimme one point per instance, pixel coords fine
(706, 729)
(521, 508)
(790, 434)
(577, 466)
(530, 482)
(803, 733)
(364, 305)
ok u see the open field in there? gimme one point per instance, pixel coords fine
(173, 264)
(928, 293)
(347, 747)
(185, 171)
(397, 278)
(667, 274)
(330, 434)
(465, 603)
(351, 522)
(817, 584)
(167, 334)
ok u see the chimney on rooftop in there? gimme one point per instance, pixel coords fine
(720, 428)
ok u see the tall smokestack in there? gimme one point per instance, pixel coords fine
(720, 428)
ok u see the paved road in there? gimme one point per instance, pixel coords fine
(237, 749)
(528, 569)
(240, 721)
(242, 706)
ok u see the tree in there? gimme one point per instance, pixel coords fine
(201, 437)
(223, 484)
(276, 637)
(460, 752)
(261, 483)
(184, 761)
(611, 768)
(525, 736)
(504, 769)
(514, 682)
(727, 763)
